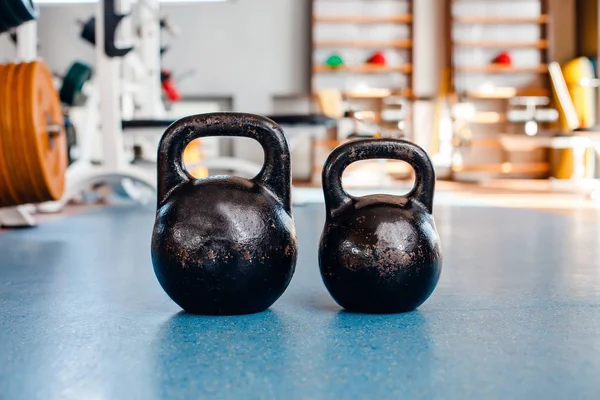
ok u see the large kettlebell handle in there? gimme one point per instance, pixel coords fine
(275, 174)
(365, 149)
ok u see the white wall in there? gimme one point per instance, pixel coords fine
(252, 50)
(429, 46)
(247, 49)
(429, 59)
(58, 34)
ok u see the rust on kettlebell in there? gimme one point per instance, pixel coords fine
(379, 253)
(224, 245)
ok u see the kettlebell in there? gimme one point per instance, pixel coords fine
(224, 245)
(379, 253)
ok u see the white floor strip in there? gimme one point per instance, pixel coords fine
(315, 196)
(452, 198)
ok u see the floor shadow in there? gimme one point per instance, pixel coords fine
(320, 302)
(201, 356)
(379, 354)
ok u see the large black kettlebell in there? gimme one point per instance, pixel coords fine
(379, 253)
(224, 245)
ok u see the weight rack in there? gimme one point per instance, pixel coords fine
(106, 99)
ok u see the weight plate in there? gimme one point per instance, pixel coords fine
(19, 141)
(8, 132)
(7, 193)
(88, 32)
(25, 10)
(28, 136)
(4, 27)
(78, 74)
(4, 200)
(71, 140)
(7, 15)
(12, 165)
(28, 114)
(51, 152)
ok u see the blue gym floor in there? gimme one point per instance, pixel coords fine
(516, 315)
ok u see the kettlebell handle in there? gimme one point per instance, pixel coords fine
(365, 149)
(275, 174)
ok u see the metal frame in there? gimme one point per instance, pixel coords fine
(104, 104)
(115, 165)
(138, 85)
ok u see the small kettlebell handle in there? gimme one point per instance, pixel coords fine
(275, 174)
(397, 149)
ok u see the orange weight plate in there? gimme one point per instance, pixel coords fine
(11, 164)
(28, 138)
(19, 142)
(5, 196)
(51, 149)
(13, 152)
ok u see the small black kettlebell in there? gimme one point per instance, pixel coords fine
(379, 253)
(224, 245)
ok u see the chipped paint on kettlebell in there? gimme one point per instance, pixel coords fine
(224, 245)
(379, 253)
